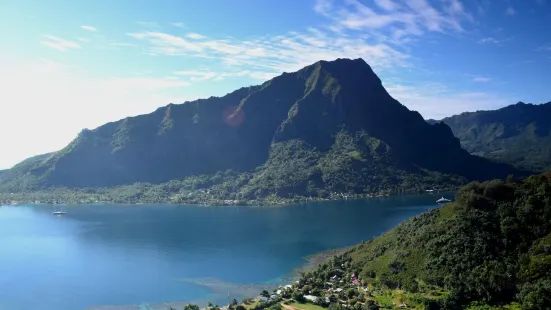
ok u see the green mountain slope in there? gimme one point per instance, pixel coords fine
(492, 246)
(329, 127)
(519, 134)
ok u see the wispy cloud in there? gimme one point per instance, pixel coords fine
(89, 28)
(482, 79)
(521, 63)
(378, 33)
(398, 21)
(59, 44)
(544, 48)
(153, 25)
(178, 24)
(495, 41)
(147, 83)
(510, 11)
(437, 101)
(121, 44)
(387, 5)
(489, 40)
(196, 36)
(196, 75)
(277, 54)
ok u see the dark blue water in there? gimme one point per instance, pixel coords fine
(99, 255)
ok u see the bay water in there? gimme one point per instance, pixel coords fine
(152, 256)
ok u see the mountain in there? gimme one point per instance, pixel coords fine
(518, 134)
(489, 249)
(329, 127)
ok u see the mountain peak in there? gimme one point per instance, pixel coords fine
(343, 64)
(325, 112)
(344, 61)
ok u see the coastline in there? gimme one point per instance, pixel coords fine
(266, 203)
(216, 290)
(238, 291)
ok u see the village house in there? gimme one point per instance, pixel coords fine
(311, 298)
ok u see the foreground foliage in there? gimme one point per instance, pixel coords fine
(489, 249)
(492, 247)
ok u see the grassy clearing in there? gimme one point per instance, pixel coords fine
(305, 306)
(251, 305)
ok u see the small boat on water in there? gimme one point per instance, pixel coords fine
(59, 212)
(443, 200)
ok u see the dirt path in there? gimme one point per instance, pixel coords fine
(288, 307)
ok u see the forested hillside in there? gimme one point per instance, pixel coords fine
(490, 247)
(518, 134)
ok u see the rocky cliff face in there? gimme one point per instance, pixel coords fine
(330, 123)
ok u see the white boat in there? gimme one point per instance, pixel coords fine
(443, 200)
(59, 212)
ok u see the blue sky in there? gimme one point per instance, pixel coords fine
(68, 65)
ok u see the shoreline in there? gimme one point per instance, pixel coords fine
(217, 289)
(246, 290)
(284, 202)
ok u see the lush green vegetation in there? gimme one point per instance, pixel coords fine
(489, 248)
(519, 134)
(325, 131)
(356, 166)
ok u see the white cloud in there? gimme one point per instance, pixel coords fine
(275, 55)
(495, 41)
(457, 9)
(196, 75)
(481, 79)
(163, 43)
(376, 34)
(387, 5)
(59, 44)
(545, 48)
(121, 44)
(436, 101)
(489, 40)
(145, 83)
(50, 103)
(196, 36)
(178, 24)
(399, 23)
(510, 11)
(148, 24)
(323, 6)
(480, 10)
(89, 28)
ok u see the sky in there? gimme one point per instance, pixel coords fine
(69, 65)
